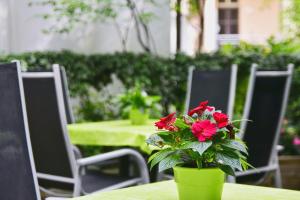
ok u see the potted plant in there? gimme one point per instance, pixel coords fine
(201, 147)
(136, 104)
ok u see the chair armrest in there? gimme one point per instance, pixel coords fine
(257, 170)
(279, 148)
(117, 154)
(107, 156)
(77, 152)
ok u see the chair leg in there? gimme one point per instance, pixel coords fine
(277, 178)
(77, 184)
(278, 182)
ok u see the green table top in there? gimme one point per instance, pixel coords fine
(167, 191)
(112, 133)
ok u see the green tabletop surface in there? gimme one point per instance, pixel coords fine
(167, 191)
(112, 133)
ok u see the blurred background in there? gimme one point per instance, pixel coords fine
(109, 46)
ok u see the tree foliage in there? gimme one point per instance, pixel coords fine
(291, 15)
(66, 15)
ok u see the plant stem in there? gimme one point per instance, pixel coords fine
(199, 163)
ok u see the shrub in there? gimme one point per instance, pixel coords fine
(165, 77)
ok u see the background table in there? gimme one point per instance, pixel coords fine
(112, 133)
(167, 191)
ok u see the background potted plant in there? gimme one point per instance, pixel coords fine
(136, 104)
(200, 147)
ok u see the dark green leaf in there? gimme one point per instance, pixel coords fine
(157, 157)
(169, 162)
(234, 144)
(186, 135)
(167, 137)
(226, 159)
(200, 147)
(227, 169)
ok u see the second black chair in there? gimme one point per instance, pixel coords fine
(265, 106)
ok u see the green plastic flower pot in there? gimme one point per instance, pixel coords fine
(199, 184)
(137, 117)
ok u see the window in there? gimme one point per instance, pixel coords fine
(228, 20)
(228, 16)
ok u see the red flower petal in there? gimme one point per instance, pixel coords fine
(221, 119)
(167, 122)
(204, 130)
(200, 109)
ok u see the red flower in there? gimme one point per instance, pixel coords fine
(167, 122)
(200, 109)
(221, 119)
(204, 130)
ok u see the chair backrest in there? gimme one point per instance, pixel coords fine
(265, 106)
(52, 149)
(17, 171)
(66, 94)
(218, 87)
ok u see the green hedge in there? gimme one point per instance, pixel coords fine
(160, 76)
(166, 77)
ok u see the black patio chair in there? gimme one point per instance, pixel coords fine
(17, 172)
(265, 106)
(55, 161)
(217, 86)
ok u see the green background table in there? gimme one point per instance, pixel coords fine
(167, 191)
(112, 133)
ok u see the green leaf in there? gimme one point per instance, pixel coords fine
(167, 137)
(246, 165)
(189, 118)
(169, 162)
(155, 140)
(186, 135)
(227, 169)
(181, 124)
(159, 156)
(163, 133)
(225, 159)
(200, 147)
(223, 130)
(237, 145)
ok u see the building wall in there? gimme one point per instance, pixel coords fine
(21, 31)
(259, 19)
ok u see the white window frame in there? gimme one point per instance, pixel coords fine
(229, 4)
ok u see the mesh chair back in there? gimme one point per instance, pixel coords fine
(266, 105)
(17, 173)
(47, 124)
(218, 87)
(66, 96)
